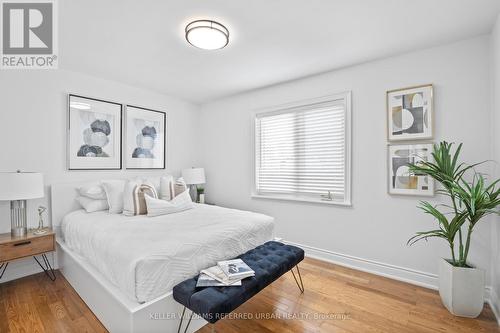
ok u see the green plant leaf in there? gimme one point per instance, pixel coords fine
(470, 201)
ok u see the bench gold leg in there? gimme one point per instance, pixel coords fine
(301, 285)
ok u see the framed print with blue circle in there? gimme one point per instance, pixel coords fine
(94, 134)
(145, 133)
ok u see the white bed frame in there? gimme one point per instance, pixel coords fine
(117, 312)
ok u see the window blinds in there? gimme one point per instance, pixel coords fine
(301, 152)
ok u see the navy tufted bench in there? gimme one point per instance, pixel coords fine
(269, 261)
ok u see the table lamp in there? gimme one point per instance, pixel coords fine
(194, 176)
(17, 187)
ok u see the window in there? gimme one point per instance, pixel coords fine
(302, 151)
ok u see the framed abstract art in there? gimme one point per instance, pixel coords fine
(410, 113)
(401, 180)
(94, 134)
(145, 138)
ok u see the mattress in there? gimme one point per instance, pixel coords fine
(146, 256)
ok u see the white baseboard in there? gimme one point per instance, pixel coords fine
(494, 302)
(408, 275)
(23, 267)
(419, 278)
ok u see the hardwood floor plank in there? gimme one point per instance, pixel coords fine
(58, 310)
(336, 299)
(49, 320)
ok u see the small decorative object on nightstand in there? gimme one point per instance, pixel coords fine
(29, 245)
(41, 230)
(201, 195)
(194, 177)
(17, 187)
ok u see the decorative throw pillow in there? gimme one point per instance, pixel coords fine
(155, 181)
(92, 191)
(114, 193)
(180, 186)
(133, 197)
(158, 207)
(92, 205)
(167, 188)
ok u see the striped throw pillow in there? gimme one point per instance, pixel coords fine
(180, 186)
(167, 188)
(134, 202)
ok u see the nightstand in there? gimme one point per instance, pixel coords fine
(31, 245)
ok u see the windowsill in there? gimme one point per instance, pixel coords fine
(307, 200)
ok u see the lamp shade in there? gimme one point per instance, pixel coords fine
(21, 185)
(194, 176)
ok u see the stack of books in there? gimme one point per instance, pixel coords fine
(225, 273)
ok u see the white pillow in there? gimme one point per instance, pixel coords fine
(114, 193)
(155, 181)
(167, 188)
(158, 207)
(92, 191)
(180, 186)
(92, 205)
(133, 197)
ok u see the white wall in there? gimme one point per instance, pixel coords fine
(495, 225)
(377, 226)
(33, 122)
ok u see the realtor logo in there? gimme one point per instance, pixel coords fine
(28, 34)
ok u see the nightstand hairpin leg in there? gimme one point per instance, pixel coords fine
(4, 266)
(47, 269)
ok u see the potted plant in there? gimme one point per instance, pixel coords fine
(200, 191)
(461, 286)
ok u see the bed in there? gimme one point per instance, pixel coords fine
(124, 267)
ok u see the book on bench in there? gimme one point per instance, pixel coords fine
(207, 281)
(235, 269)
(216, 273)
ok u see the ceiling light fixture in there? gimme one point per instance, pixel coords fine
(207, 34)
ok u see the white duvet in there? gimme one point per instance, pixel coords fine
(146, 256)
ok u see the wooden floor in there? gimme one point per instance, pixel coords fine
(35, 304)
(336, 299)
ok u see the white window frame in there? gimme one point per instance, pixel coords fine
(346, 96)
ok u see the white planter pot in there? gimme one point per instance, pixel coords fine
(461, 289)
